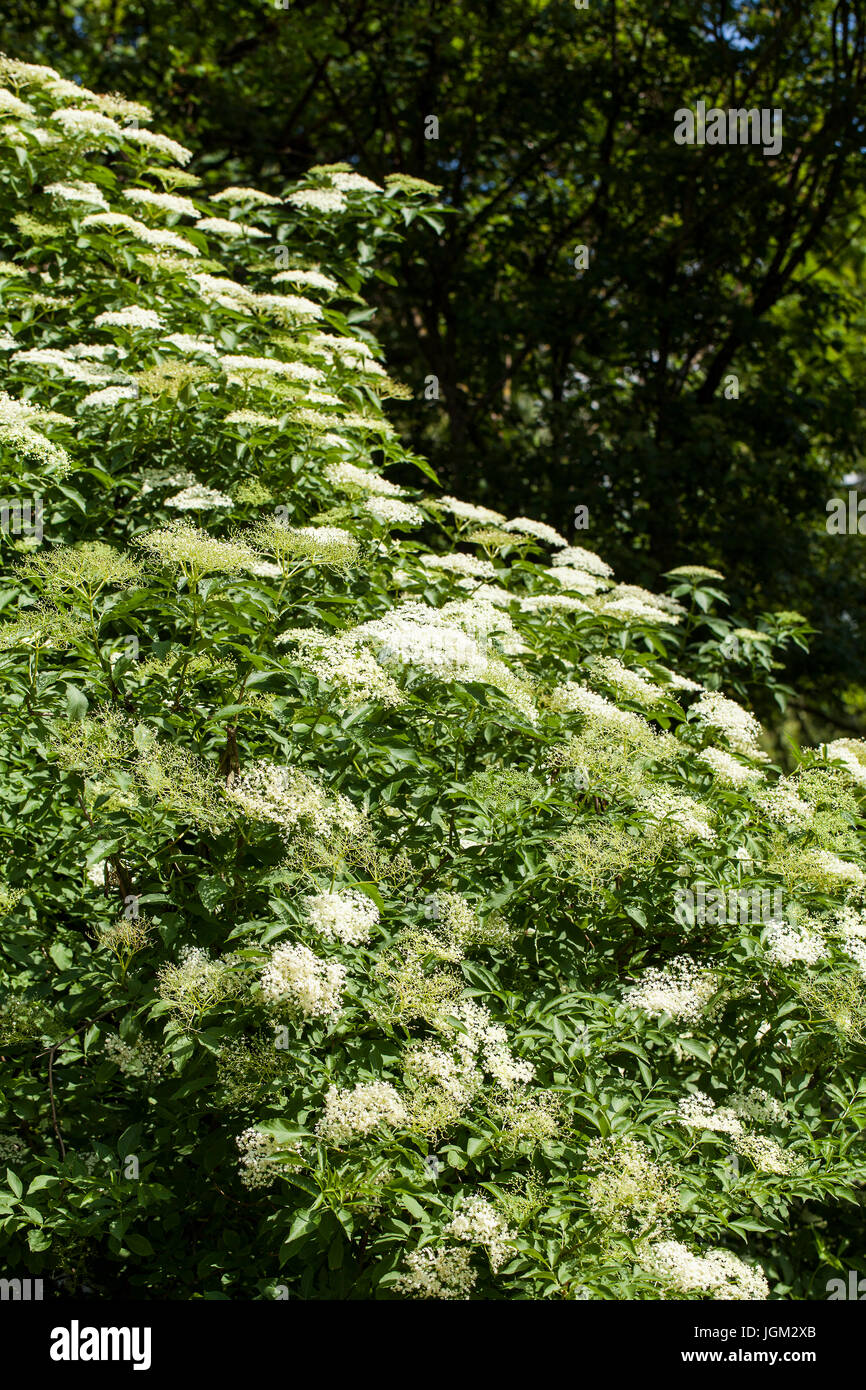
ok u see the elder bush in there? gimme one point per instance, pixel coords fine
(386, 889)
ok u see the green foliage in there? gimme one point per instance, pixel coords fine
(596, 286)
(379, 920)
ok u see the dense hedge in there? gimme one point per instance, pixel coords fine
(395, 905)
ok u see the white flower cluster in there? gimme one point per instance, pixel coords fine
(346, 664)
(758, 1105)
(300, 981)
(766, 1154)
(453, 1073)
(458, 563)
(291, 798)
(719, 1274)
(224, 227)
(481, 1043)
(440, 1272)
(77, 191)
(108, 397)
(678, 682)
(477, 1222)
(468, 511)
(576, 581)
(681, 817)
(661, 602)
(198, 498)
(628, 1189)
(630, 611)
(572, 698)
(625, 683)
(699, 1111)
(357, 1113)
(132, 317)
(727, 769)
(552, 603)
(389, 511)
(723, 716)
(326, 200)
(163, 202)
(782, 805)
(330, 546)
(350, 182)
(682, 989)
(852, 753)
(576, 558)
(791, 943)
(347, 915)
(347, 477)
(197, 981)
(189, 345)
(436, 641)
(314, 279)
(257, 1147)
(828, 869)
(137, 1058)
(525, 526)
(195, 551)
(296, 371)
(233, 194)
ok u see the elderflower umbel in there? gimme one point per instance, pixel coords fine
(389, 511)
(699, 1111)
(851, 752)
(345, 664)
(164, 202)
(525, 526)
(727, 769)
(719, 1274)
(576, 558)
(77, 192)
(681, 817)
(347, 915)
(314, 279)
(290, 798)
(790, 943)
(440, 1272)
(198, 498)
(234, 194)
(766, 1154)
(346, 477)
(477, 1222)
(329, 546)
(461, 564)
(629, 610)
(301, 982)
(576, 581)
(626, 684)
(325, 200)
(257, 1147)
(468, 511)
(194, 551)
(628, 1191)
(682, 989)
(355, 1114)
(721, 715)
(159, 144)
(132, 317)
(197, 982)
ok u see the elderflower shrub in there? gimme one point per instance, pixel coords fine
(344, 862)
